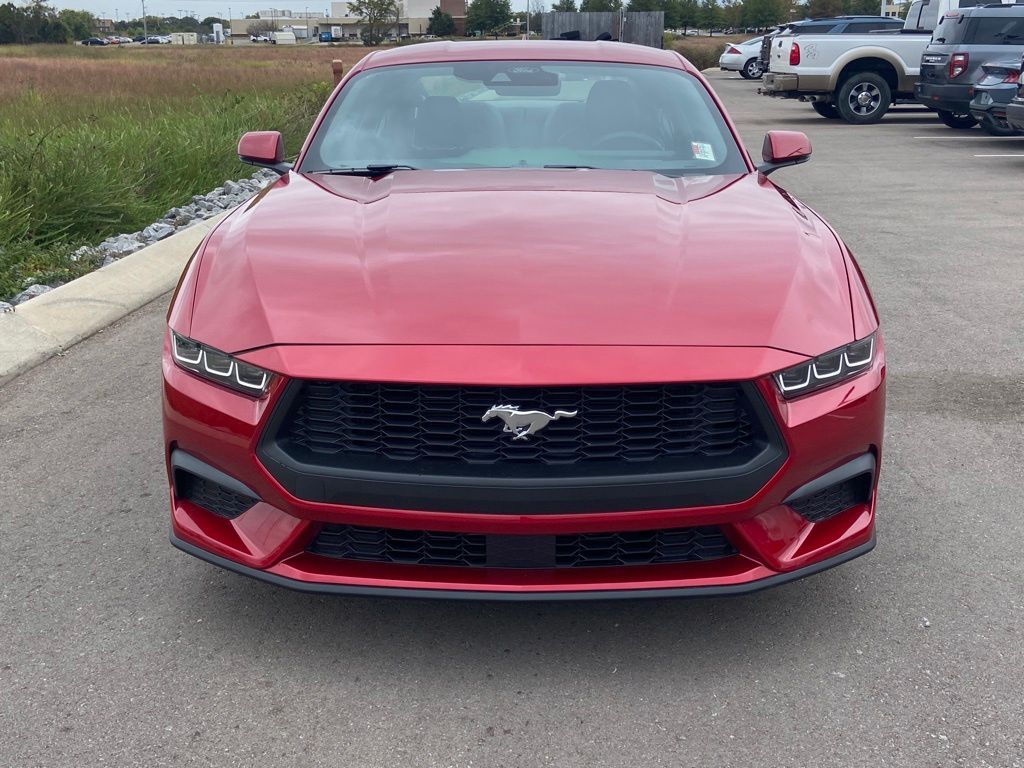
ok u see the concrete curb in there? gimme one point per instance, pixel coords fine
(47, 325)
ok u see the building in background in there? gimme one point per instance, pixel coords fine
(413, 22)
(893, 10)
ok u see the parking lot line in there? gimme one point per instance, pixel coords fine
(972, 138)
(999, 155)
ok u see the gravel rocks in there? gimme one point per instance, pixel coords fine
(30, 293)
(218, 200)
(122, 245)
(157, 231)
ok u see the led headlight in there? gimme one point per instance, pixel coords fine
(219, 367)
(827, 369)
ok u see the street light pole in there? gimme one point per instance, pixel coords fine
(145, 29)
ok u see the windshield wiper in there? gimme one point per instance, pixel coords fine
(571, 167)
(371, 169)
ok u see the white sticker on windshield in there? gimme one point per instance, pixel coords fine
(702, 151)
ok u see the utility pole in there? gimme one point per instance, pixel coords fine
(145, 31)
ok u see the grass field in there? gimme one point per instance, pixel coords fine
(97, 142)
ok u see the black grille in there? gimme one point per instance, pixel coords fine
(211, 496)
(834, 499)
(389, 545)
(676, 545)
(373, 425)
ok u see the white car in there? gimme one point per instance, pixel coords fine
(744, 58)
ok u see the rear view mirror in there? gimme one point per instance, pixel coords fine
(783, 148)
(265, 149)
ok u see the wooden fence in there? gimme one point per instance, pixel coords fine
(640, 27)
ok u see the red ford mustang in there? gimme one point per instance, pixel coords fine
(523, 321)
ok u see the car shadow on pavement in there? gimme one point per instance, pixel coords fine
(770, 627)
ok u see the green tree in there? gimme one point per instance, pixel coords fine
(732, 14)
(688, 14)
(861, 7)
(762, 14)
(564, 6)
(598, 6)
(441, 24)
(710, 15)
(488, 16)
(820, 9)
(80, 23)
(378, 17)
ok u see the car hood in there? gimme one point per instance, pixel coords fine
(544, 257)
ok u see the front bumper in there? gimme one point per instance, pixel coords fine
(945, 97)
(772, 542)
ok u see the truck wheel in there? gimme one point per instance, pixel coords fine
(863, 98)
(826, 110)
(959, 120)
(752, 70)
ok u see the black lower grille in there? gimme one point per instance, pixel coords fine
(389, 545)
(392, 545)
(211, 496)
(830, 501)
(677, 545)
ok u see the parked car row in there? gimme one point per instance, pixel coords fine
(960, 58)
(115, 40)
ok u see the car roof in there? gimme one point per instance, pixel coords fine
(836, 19)
(996, 9)
(530, 50)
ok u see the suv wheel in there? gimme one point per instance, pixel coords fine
(752, 70)
(863, 98)
(1001, 128)
(826, 109)
(959, 120)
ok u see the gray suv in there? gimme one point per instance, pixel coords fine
(963, 41)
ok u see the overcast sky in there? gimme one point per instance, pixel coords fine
(201, 8)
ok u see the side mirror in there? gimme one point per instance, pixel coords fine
(783, 148)
(265, 149)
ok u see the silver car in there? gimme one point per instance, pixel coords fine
(743, 58)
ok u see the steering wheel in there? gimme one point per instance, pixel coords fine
(641, 138)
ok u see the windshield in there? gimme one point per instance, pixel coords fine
(519, 114)
(923, 16)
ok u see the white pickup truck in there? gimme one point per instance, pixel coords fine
(855, 77)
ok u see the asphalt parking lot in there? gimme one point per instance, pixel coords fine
(116, 649)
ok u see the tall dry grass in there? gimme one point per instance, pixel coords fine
(703, 52)
(95, 142)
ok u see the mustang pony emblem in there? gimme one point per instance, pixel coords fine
(522, 424)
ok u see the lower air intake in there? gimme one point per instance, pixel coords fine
(475, 550)
(211, 496)
(830, 501)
